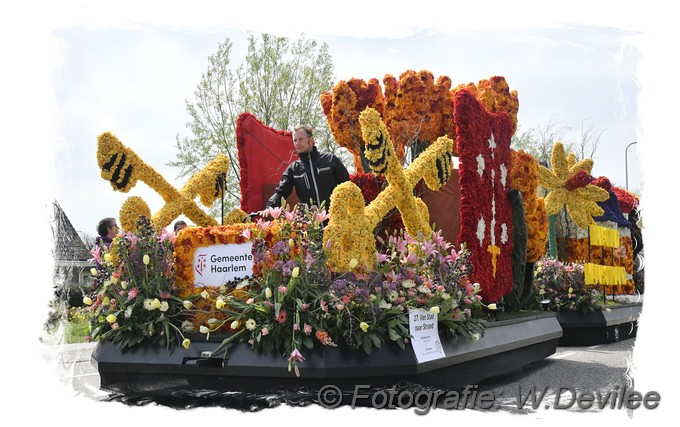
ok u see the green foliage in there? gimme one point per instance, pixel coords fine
(279, 81)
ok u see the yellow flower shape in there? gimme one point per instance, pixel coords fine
(569, 186)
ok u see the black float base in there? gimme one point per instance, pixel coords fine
(507, 345)
(599, 327)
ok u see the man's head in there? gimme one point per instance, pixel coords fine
(303, 139)
(107, 227)
(180, 225)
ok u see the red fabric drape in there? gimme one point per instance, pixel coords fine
(263, 154)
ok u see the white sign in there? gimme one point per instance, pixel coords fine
(425, 335)
(217, 264)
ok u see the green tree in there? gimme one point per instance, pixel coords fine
(279, 82)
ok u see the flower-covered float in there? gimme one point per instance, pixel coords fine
(368, 292)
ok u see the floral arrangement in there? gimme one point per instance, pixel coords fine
(569, 182)
(122, 167)
(350, 218)
(561, 286)
(297, 303)
(135, 298)
(483, 140)
(524, 177)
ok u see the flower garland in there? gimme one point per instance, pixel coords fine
(234, 216)
(524, 177)
(483, 141)
(569, 182)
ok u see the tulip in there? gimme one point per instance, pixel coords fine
(291, 243)
(296, 272)
(146, 259)
(205, 295)
(235, 325)
(87, 301)
(219, 303)
(107, 257)
(188, 304)
(123, 284)
(203, 329)
(491, 306)
(94, 271)
(268, 293)
(186, 343)
(434, 309)
(156, 303)
(111, 318)
(353, 263)
(364, 326)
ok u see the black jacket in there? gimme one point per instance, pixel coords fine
(314, 176)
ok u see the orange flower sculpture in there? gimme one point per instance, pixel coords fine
(524, 177)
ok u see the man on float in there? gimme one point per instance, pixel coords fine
(314, 175)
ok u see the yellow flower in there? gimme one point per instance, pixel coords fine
(268, 293)
(146, 259)
(87, 301)
(111, 318)
(296, 272)
(188, 304)
(107, 257)
(205, 295)
(164, 306)
(186, 343)
(106, 301)
(235, 325)
(353, 263)
(93, 271)
(155, 303)
(123, 284)
(203, 329)
(291, 243)
(581, 200)
(219, 303)
(364, 326)
(434, 309)
(491, 306)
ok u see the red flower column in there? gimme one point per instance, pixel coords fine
(483, 141)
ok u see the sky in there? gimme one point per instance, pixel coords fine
(76, 70)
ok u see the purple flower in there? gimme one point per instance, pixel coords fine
(280, 248)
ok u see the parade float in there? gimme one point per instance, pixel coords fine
(418, 271)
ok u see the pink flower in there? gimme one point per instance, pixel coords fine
(467, 301)
(96, 253)
(290, 216)
(381, 257)
(115, 326)
(321, 216)
(304, 306)
(262, 225)
(133, 294)
(165, 295)
(296, 356)
(274, 212)
(282, 289)
(296, 327)
(265, 331)
(282, 316)
(428, 248)
(246, 233)
(307, 329)
(250, 301)
(324, 307)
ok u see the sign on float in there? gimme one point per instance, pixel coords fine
(218, 264)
